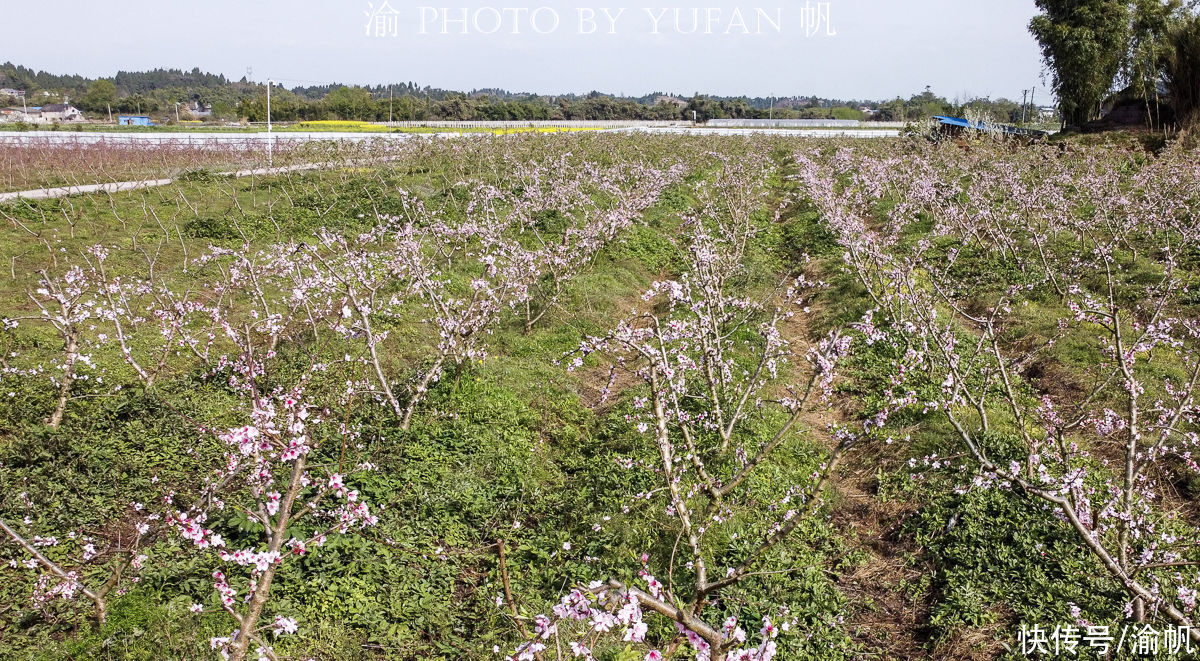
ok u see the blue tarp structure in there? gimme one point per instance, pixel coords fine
(962, 124)
(133, 120)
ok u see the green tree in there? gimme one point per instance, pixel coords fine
(704, 108)
(927, 104)
(842, 112)
(351, 103)
(455, 107)
(222, 110)
(1084, 43)
(891, 111)
(1182, 68)
(1149, 49)
(285, 106)
(101, 95)
(408, 108)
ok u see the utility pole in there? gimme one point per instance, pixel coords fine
(1024, 97)
(389, 104)
(176, 112)
(270, 144)
(1032, 107)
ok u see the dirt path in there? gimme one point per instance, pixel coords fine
(118, 186)
(884, 617)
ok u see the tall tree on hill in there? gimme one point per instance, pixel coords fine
(1083, 43)
(1182, 69)
(1151, 22)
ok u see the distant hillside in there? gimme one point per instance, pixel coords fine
(157, 92)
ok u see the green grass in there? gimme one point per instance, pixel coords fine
(506, 440)
(516, 438)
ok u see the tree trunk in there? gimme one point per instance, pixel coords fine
(68, 378)
(263, 591)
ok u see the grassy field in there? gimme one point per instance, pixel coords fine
(841, 400)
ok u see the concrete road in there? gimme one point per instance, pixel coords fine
(118, 186)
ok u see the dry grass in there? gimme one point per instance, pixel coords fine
(37, 163)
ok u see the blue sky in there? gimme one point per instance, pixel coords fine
(882, 48)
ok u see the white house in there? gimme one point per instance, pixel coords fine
(61, 112)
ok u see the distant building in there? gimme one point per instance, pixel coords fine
(13, 115)
(60, 112)
(133, 120)
(8, 91)
(198, 108)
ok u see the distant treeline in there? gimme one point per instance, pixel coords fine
(156, 92)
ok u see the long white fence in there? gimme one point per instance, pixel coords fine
(633, 123)
(802, 123)
(535, 123)
(262, 140)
